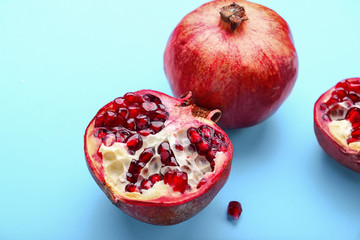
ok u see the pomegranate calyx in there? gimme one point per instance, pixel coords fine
(233, 14)
(187, 101)
(213, 115)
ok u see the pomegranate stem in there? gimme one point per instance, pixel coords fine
(233, 14)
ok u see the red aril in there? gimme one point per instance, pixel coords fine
(164, 161)
(236, 56)
(234, 209)
(337, 122)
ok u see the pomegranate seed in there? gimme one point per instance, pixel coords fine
(146, 132)
(130, 124)
(101, 133)
(146, 155)
(157, 126)
(179, 147)
(223, 147)
(133, 111)
(159, 115)
(122, 135)
(348, 101)
(99, 121)
(177, 180)
(120, 103)
(351, 140)
(353, 115)
(133, 171)
(210, 156)
(149, 106)
(203, 147)
(234, 209)
(331, 102)
(343, 84)
(356, 125)
(356, 134)
(134, 142)
(146, 184)
(323, 107)
(110, 119)
(155, 178)
(326, 118)
(353, 96)
(131, 188)
(193, 135)
(166, 155)
(123, 113)
(215, 142)
(153, 98)
(220, 136)
(133, 98)
(109, 139)
(339, 93)
(201, 183)
(355, 86)
(142, 122)
(206, 131)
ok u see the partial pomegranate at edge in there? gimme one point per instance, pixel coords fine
(337, 122)
(236, 56)
(159, 159)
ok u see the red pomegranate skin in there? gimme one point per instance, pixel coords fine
(346, 156)
(160, 211)
(247, 73)
(160, 214)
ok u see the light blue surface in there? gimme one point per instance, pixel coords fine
(61, 60)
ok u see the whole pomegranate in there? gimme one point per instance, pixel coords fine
(236, 56)
(337, 122)
(158, 158)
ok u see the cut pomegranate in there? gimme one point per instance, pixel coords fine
(159, 159)
(234, 209)
(337, 122)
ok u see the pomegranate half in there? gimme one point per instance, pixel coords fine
(159, 159)
(236, 56)
(337, 122)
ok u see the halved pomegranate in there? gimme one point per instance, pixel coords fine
(337, 122)
(159, 159)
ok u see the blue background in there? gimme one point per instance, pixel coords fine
(61, 60)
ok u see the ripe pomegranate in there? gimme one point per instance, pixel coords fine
(236, 56)
(158, 158)
(337, 122)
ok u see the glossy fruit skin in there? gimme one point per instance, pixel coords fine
(345, 156)
(247, 74)
(158, 211)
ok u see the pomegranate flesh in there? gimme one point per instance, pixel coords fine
(236, 56)
(158, 158)
(337, 122)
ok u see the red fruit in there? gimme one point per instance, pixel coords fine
(149, 167)
(241, 61)
(337, 123)
(234, 209)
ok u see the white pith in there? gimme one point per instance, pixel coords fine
(340, 128)
(116, 161)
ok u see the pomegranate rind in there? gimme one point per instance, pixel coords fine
(162, 210)
(344, 155)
